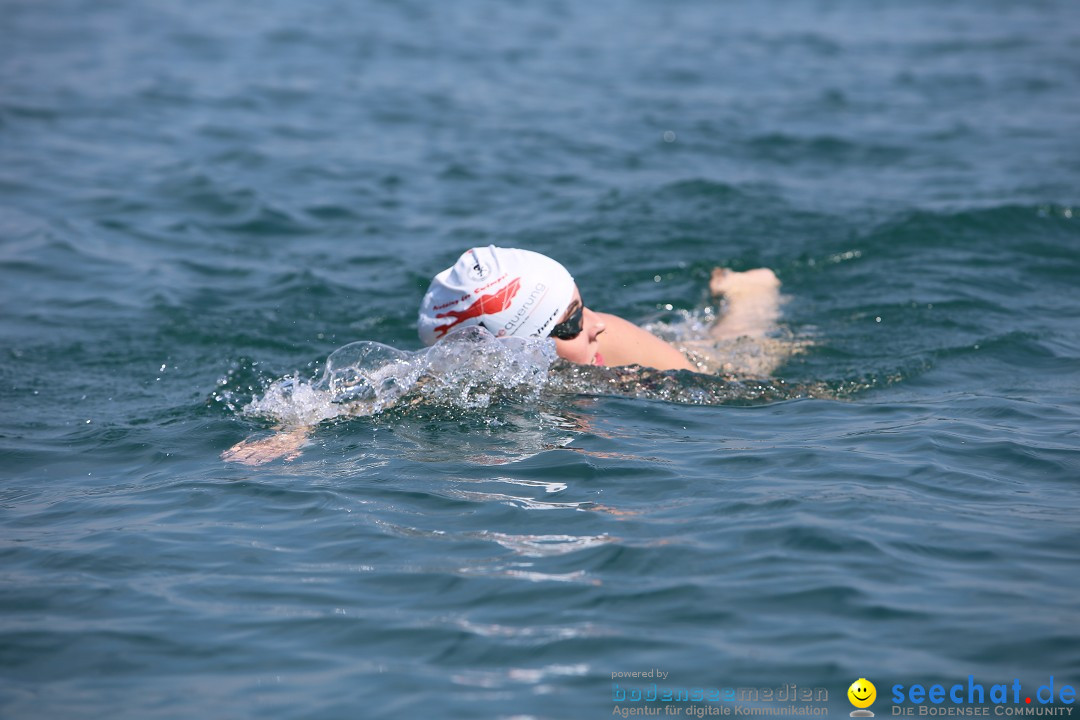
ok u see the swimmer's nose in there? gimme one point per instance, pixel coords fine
(597, 327)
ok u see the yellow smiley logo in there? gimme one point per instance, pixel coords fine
(862, 693)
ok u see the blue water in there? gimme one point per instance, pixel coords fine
(199, 199)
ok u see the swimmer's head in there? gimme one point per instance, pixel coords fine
(507, 291)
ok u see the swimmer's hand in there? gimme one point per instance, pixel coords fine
(753, 302)
(285, 444)
(733, 284)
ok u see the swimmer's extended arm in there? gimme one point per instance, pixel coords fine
(624, 343)
(288, 441)
(285, 442)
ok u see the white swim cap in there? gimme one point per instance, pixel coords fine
(507, 291)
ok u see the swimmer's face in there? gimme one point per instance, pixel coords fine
(581, 349)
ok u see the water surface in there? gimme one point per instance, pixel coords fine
(197, 200)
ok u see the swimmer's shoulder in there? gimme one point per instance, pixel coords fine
(624, 343)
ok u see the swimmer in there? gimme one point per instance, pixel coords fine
(521, 293)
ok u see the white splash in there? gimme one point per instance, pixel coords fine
(469, 368)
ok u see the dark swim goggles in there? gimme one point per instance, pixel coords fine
(571, 327)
